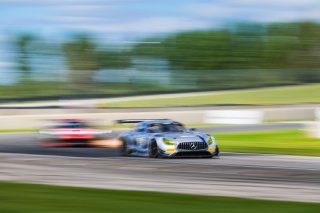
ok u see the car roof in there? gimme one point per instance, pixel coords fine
(158, 121)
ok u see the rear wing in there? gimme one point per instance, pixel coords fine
(135, 121)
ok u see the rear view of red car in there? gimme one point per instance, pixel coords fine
(72, 132)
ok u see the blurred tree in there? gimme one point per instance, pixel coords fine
(85, 57)
(247, 51)
(309, 34)
(241, 55)
(280, 45)
(113, 59)
(82, 59)
(201, 50)
(308, 57)
(244, 54)
(204, 50)
(23, 47)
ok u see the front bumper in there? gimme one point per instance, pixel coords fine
(173, 152)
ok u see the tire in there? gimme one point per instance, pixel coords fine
(217, 153)
(124, 149)
(154, 150)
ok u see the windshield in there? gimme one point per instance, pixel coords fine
(169, 127)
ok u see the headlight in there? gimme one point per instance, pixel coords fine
(211, 140)
(168, 141)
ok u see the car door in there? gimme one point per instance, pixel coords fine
(140, 139)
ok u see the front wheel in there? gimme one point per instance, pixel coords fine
(217, 152)
(154, 150)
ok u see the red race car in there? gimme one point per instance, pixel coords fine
(75, 132)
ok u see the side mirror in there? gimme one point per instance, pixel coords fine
(193, 129)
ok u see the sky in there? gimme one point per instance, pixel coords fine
(123, 19)
(129, 20)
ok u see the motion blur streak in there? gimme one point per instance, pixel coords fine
(197, 77)
(243, 175)
(107, 143)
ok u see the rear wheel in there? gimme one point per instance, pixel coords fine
(124, 148)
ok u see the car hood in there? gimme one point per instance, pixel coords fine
(184, 136)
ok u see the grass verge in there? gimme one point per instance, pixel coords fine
(44, 199)
(289, 142)
(16, 130)
(264, 96)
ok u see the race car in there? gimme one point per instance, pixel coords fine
(75, 132)
(166, 138)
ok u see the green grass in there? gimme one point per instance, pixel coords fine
(16, 130)
(43, 89)
(290, 142)
(29, 198)
(265, 96)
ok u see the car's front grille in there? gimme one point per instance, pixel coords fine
(192, 146)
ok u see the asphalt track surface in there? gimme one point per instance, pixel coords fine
(291, 178)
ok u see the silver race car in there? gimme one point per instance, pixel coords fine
(166, 138)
